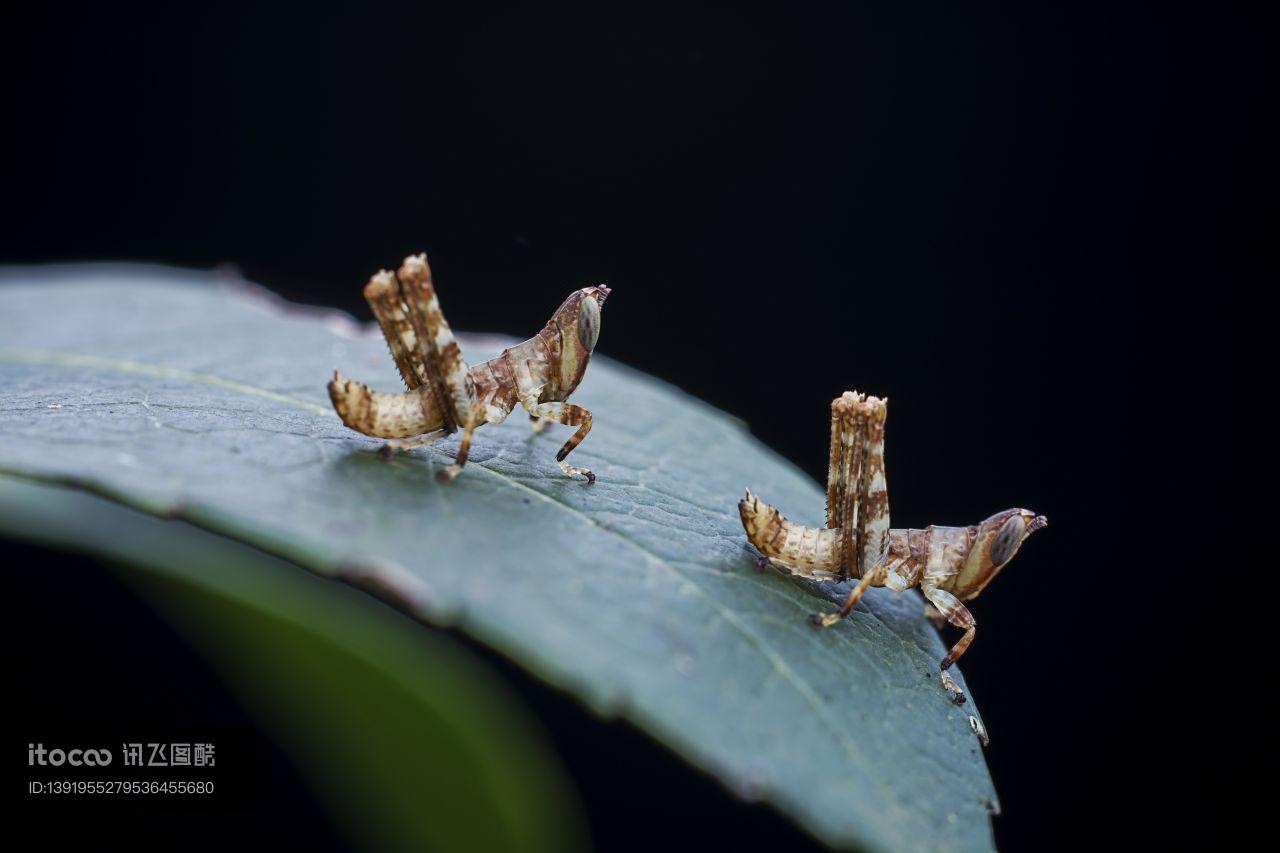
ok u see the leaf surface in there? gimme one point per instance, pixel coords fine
(192, 397)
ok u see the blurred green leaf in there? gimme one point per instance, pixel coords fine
(409, 740)
(187, 396)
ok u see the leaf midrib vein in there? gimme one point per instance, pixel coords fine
(63, 359)
(779, 664)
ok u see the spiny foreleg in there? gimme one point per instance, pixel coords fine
(569, 415)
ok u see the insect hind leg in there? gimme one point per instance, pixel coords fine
(383, 295)
(446, 371)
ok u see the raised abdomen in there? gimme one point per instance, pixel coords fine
(374, 413)
(794, 545)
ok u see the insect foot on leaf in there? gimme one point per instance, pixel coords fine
(949, 684)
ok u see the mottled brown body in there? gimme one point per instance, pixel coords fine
(949, 564)
(445, 395)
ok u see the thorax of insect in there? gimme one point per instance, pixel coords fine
(548, 367)
(949, 564)
(445, 394)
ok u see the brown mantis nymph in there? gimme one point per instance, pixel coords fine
(949, 564)
(445, 395)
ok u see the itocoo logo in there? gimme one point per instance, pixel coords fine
(37, 754)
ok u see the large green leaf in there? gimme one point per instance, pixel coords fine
(188, 397)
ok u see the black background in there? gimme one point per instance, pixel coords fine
(1022, 225)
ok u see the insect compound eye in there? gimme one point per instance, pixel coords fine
(1007, 540)
(588, 321)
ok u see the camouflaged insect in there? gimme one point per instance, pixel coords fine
(949, 564)
(445, 395)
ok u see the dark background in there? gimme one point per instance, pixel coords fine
(1022, 225)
